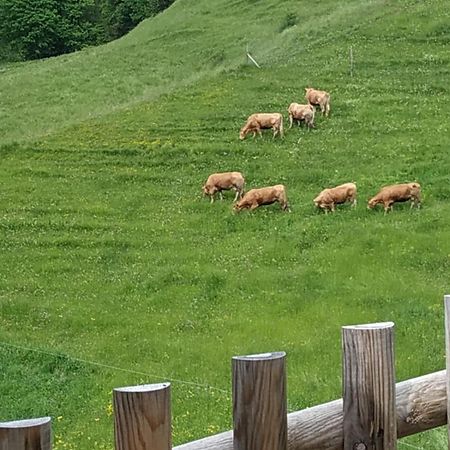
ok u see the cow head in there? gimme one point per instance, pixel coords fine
(205, 190)
(372, 203)
(237, 207)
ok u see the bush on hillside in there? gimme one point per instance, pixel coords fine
(42, 28)
(288, 21)
(123, 15)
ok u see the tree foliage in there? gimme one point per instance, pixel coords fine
(123, 15)
(31, 29)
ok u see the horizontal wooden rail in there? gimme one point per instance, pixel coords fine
(421, 404)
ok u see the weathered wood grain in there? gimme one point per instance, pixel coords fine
(369, 387)
(421, 405)
(447, 351)
(33, 434)
(259, 402)
(142, 417)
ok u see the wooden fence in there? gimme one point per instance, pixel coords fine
(373, 413)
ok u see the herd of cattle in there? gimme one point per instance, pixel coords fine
(328, 198)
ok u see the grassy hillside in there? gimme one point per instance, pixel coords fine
(110, 255)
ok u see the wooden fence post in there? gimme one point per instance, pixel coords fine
(447, 348)
(142, 418)
(259, 402)
(370, 421)
(33, 434)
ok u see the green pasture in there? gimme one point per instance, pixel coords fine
(115, 271)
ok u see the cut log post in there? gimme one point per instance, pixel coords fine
(421, 406)
(33, 434)
(142, 417)
(369, 387)
(447, 348)
(259, 402)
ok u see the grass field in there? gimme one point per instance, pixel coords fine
(109, 254)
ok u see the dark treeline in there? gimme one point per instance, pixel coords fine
(32, 29)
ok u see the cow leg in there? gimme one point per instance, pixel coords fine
(221, 195)
(291, 120)
(354, 202)
(212, 198)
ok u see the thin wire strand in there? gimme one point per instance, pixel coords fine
(108, 366)
(410, 445)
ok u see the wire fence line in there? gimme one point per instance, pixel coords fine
(112, 367)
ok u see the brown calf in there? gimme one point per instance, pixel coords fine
(389, 195)
(301, 113)
(318, 98)
(218, 182)
(263, 196)
(329, 198)
(260, 121)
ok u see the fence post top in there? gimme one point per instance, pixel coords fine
(370, 326)
(261, 356)
(144, 388)
(27, 423)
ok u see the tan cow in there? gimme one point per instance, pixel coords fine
(263, 196)
(389, 195)
(319, 98)
(260, 121)
(301, 113)
(218, 182)
(329, 198)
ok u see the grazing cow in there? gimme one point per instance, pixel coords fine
(319, 98)
(301, 113)
(389, 195)
(329, 198)
(263, 196)
(218, 182)
(257, 122)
